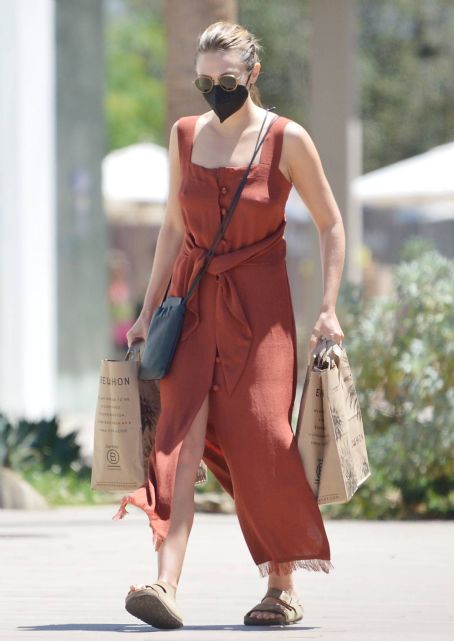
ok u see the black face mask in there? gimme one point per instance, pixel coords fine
(225, 103)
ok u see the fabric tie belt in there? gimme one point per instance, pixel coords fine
(233, 332)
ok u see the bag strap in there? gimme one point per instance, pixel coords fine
(226, 220)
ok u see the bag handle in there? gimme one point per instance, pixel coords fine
(133, 352)
(325, 353)
(228, 216)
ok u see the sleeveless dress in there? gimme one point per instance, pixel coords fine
(238, 344)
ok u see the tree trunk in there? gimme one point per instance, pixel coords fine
(185, 21)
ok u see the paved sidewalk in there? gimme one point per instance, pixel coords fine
(64, 574)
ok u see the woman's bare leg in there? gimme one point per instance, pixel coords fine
(172, 550)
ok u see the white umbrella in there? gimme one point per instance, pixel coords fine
(138, 173)
(427, 177)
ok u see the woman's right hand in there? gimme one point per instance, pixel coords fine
(139, 330)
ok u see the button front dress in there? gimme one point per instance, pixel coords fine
(238, 344)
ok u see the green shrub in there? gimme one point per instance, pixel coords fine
(51, 463)
(28, 444)
(401, 350)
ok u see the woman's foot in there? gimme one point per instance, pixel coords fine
(155, 604)
(269, 599)
(136, 586)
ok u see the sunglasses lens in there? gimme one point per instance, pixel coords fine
(227, 82)
(203, 83)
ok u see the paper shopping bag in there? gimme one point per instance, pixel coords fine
(329, 431)
(118, 461)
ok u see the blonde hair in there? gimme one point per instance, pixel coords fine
(223, 35)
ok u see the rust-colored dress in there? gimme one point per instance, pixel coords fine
(238, 344)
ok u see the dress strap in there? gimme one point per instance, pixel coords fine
(273, 144)
(185, 129)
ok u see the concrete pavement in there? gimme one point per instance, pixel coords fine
(64, 574)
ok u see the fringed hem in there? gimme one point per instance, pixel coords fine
(287, 567)
(122, 511)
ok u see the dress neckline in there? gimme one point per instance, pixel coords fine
(229, 167)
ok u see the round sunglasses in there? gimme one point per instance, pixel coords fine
(227, 82)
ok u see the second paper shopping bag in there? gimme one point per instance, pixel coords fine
(329, 429)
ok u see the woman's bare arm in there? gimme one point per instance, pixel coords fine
(304, 168)
(170, 234)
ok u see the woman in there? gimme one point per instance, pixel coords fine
(229, 394)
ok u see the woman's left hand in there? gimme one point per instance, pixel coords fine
(326, 325)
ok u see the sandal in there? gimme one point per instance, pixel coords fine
(288, 610)
(155, 604)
